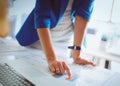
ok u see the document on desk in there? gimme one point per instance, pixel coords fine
(36, 75)
(90, 76)
(51, 81)
(81, 75)
(114, 80)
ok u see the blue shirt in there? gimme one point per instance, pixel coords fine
(47, 14)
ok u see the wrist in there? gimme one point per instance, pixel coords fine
(50, 55)
(51, 58)
(76, 54)
(76, 59)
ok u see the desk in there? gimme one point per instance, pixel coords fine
(102, 55)
(31, 63)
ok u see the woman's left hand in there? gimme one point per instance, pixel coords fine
(79, 60)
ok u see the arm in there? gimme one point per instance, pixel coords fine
(47, 46)
(79, 28)
(42, 23)
(46, 43)
(80, 25)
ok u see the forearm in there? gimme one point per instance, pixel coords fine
(46, 43)
(79, 28)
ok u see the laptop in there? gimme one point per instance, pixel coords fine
(10, 77)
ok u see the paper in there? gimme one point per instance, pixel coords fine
(64, 76)
(51, 81)
(36, 75)
(114, 80)
(90, 76)
(84, 75)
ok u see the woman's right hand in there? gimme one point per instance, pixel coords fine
(59, 67)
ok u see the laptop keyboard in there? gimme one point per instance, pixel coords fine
(9, 77)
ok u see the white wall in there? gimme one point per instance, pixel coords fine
(116, 12)
(103, 11)
(21, 8)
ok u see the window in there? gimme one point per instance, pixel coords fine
(107, 10)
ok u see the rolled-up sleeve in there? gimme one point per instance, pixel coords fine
(84, 9)
(42, 14)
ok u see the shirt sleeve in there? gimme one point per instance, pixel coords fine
(42, 14)
(85, 9)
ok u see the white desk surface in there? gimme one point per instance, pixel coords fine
(101, 54)
(31, 63)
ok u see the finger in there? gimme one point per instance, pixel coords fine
(57, 69)
(89, 63)
(85, 62)
(67, 70)
(52, 68)
(61, 68)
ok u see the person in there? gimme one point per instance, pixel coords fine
(4, 22)
(55, 21)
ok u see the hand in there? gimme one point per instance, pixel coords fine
(79, 60)
(59, 68)
(83, 62)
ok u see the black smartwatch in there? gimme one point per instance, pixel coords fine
(74, 47)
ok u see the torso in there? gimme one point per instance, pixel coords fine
(64, 29)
